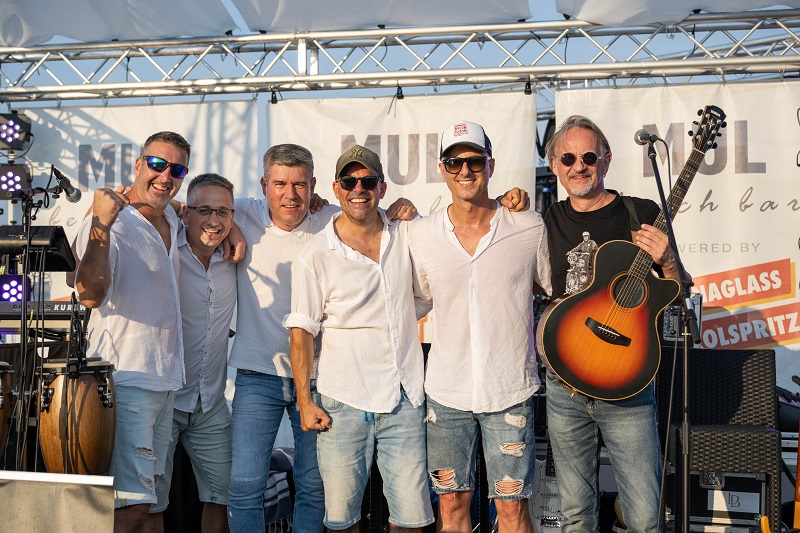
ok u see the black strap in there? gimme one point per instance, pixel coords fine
(634, 218)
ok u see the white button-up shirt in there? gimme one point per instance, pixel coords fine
(208, 298)
(365, 312)
(482, 356)
(138, 326)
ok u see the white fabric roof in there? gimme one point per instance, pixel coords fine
(30, 22)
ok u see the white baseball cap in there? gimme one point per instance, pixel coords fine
(468, 133)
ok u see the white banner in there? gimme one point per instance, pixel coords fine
(406, 134)
(97, 146)
(737, 231)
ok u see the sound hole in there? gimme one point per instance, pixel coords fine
(628, 292)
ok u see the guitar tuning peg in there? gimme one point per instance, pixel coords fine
(714, 146)
(719, 134)
(723, 124)
(699, 113)
(691, 133)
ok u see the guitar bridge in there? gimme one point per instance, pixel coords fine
(607, 333)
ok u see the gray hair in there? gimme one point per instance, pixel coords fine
(289, 155)
(577, 121)
(207, 180)
(169, 137)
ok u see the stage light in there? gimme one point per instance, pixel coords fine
(399, 94)
(528, 87)
(14, 289)
(15, 131)
(14, 177)
(274, 98)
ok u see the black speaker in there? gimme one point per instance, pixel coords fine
(48, 240)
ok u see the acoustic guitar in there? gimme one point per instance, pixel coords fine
(603, 341)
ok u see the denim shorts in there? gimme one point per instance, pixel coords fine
(206, 437)
(345, 454)
(508, 447)
(143, 433)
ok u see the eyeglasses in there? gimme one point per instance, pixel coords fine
(348, 183)
(453, 165)
(589, 159)
(205, 211)
(156, 164)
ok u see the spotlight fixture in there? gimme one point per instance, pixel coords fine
(528, 87)
(15, 131)
(274, 98)
(399, 94)
(13, 288)
(14, 177)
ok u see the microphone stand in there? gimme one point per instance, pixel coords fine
(690, 330)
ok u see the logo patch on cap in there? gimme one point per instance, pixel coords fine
(460, 129)
(356, 152)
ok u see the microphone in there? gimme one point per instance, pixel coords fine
(73, 194)
(643, 137)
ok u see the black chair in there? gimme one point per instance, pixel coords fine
(733, 419)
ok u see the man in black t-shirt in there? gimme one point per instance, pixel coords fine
(580, 155)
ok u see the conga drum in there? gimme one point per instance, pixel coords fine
(5, 400)
(77, 417)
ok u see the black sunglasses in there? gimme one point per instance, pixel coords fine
(589, 159)
(348, 183)
(156, 164)
(453, 165)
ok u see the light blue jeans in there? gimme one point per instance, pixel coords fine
(345, 454)
(508, 447)
(258, 406)
(630, 432)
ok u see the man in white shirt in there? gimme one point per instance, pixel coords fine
(276, 229)
(478, 265)
(354, 282)
(129, 275)
(201, 420)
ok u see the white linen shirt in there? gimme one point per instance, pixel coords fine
(264, 282)
(208, 299)
(482, 356)
(138, 326)
(366, 314)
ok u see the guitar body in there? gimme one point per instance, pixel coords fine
(603, 340)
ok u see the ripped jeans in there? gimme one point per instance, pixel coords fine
(143, 434)
(508, 446)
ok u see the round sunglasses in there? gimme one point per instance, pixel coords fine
(589, 158)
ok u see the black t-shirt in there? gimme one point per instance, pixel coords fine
(574, 236)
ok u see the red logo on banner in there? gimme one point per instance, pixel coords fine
(731, 289)
(460, 129)
(760, 328)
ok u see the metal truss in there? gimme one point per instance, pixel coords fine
(547, 55)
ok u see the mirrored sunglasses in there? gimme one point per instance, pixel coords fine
(453, 165)
(156, 164)
(348, 183)
(589, 159)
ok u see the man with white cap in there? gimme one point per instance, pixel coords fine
(478, 264)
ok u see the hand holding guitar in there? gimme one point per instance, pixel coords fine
(656, 243)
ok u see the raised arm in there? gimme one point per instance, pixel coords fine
(93, 278)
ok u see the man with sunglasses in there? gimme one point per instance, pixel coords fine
(129, 274)
(580, 155)
(352, 284)
(276, 228)
(478, 265)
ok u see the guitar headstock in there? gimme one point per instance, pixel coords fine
(712, 119)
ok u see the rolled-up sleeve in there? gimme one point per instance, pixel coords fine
(307, 299)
